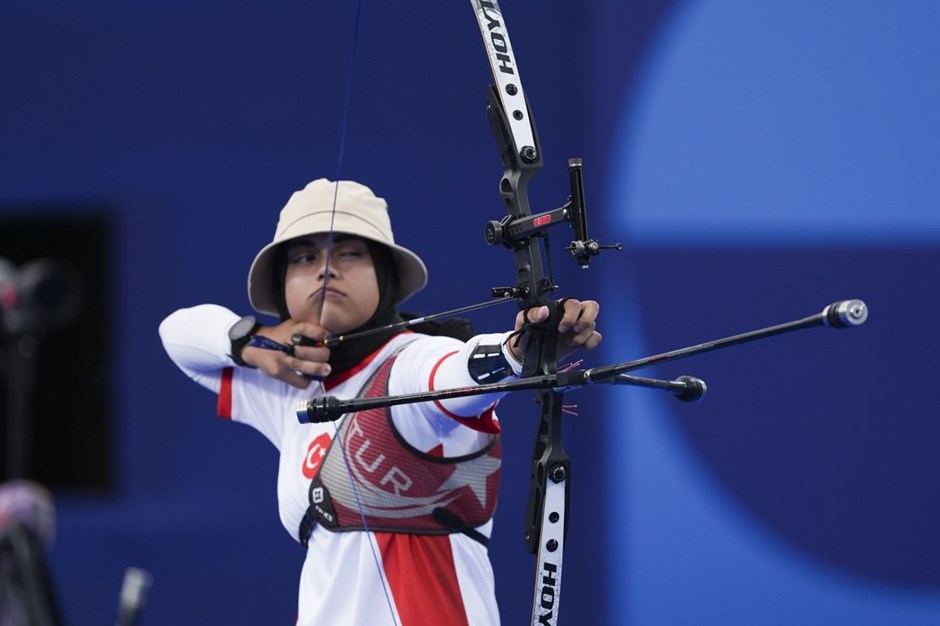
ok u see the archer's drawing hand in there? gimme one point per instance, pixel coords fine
(299, 363)
(576, 328)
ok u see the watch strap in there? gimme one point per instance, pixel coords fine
(239, 342)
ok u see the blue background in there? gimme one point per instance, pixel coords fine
(758, 160)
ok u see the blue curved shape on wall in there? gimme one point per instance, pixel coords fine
(771, 155)
(795, 123)
(689, 554)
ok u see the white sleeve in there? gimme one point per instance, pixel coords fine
(196, 339)
(435, 363)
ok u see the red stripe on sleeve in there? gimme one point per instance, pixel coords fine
(423, 578)
(487, 422)
(484, 423)
(224, 407)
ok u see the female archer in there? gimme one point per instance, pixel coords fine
(393, 505)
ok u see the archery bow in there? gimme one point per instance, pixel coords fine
(511, 122)
(514, 131)
(510, 116)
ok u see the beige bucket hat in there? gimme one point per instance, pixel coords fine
(358, 212)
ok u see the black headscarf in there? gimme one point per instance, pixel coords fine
(348, 354)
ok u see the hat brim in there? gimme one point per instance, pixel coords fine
(412, 273)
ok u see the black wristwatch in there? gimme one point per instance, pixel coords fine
(239, 335)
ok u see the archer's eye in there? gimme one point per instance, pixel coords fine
(349, 250)
(303, 257)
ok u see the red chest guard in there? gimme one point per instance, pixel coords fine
(371, 478)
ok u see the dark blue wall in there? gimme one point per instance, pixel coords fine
(770, 158)
(807, 472)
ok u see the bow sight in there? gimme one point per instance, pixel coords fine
(515, 230)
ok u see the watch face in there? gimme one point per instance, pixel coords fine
(242, 328)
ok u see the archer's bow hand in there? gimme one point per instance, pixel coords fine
(576, 328)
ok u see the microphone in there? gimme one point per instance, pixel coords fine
(133, 593)
(845, 314)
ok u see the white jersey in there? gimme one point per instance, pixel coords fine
(359, 578)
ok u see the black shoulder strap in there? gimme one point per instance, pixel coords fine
(450, 521)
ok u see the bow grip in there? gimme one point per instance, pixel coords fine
(541, 340)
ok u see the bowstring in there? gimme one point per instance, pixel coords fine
(344, 122)
(326, 276)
